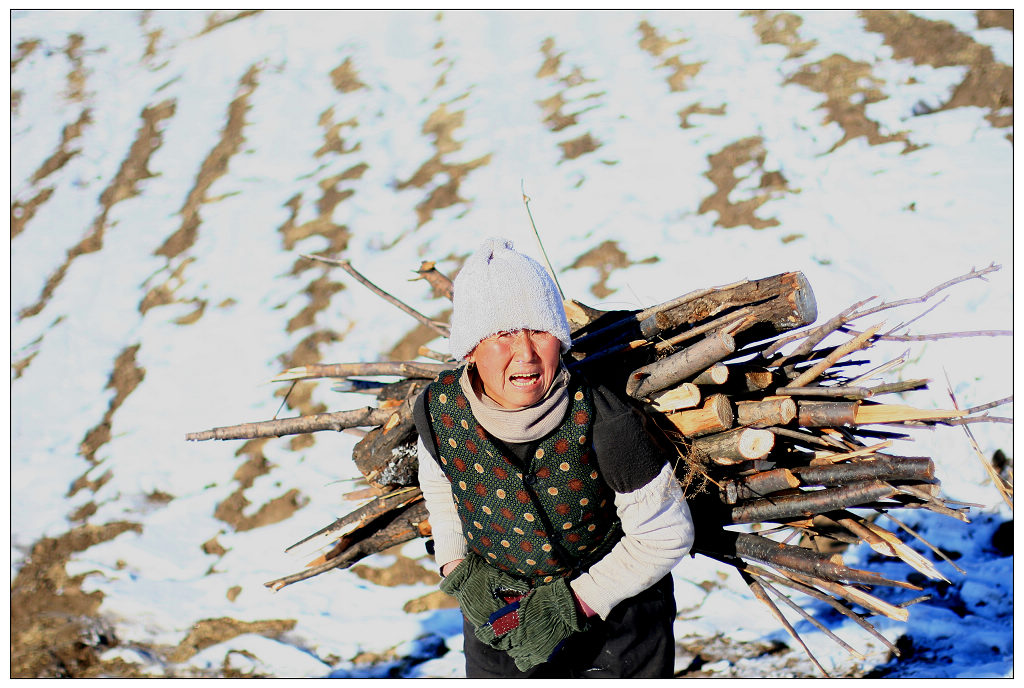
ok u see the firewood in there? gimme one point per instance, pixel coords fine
(441, 283)
(786, 302)
(810, 503)
(883, 468)
(778, 410)
(337, 421)
(734, 446)
(820, 414)
(759, 485)
(718, 374)
(892, 413)
(683, 396)
(715, 415)
(806, 562)
(405, 369)
(679, 366)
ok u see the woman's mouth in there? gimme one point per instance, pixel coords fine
(524, 379)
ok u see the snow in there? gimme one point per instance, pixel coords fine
(867, 221)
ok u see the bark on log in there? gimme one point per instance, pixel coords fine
(759, 485)
(679, 366)
(337, 421)
(807, 562)
(389, 531)
(387, 455)
(407, 369)
(734, 446)
(826, 414)
(812, 503)
(683, 396)
(836, 391)
(714, 416)
(778, 410)
(785, 302)
(885, 467)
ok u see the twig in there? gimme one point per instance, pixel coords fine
(437, 327)
(551, 271)
(996, 478)
(406, 369)
(861, 341)
(973, 274)
(760, 594)
(800, 610)
(295, 426)
(992, 404)
(933, 337)
(927, 544)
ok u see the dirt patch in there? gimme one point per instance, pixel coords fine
(440, 126)
(345, 79)
(722, 174)
(125, 184)
(988, 84)
(232, 510)
(55, 630)
(606, 258)
(63, 154)
(213, 168)
(553, 109)
(653, 43)
(781, 28)
(125, 377)
(404, 571)
(219, 18)
(22, 212)
(408, 346)
(209, 632)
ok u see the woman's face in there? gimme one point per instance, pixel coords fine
(517, 368)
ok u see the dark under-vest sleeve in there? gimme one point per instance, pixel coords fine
(423, 427)
(628, 456)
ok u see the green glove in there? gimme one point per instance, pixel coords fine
(476, 587)
(533, 628)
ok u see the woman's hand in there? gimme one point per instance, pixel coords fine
(449, 567)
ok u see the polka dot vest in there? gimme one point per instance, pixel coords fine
(539, 523)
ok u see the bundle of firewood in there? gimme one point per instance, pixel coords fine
(783, 456)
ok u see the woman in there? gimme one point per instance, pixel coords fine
(555, 517)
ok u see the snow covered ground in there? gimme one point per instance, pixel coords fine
(168, 168)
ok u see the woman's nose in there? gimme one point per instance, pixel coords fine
(522, 346)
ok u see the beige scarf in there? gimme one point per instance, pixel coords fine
(519, 425)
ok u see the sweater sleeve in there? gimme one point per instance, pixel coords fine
(445, 526)
(657, 534)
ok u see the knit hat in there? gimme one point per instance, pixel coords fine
(502, 290)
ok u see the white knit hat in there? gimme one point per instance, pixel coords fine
(502, 290)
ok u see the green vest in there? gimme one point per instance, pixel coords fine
(542, 523)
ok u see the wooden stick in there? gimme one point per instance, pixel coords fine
(777, 410)
(811, 503)
(825, 414)
(714, 416)
(859, 342)
(883, 468)
(821, 627)
(718, 374)
(397, 528)
(759, 485)
(893, 413)
(844, 391)
(673, 369)
(760, 594)
(683, 396)
(827, 599)
(807, 562)
(835, 457)
(439, 328)
(295, 426)
(441, 283)
(734, 446)
(409, 369)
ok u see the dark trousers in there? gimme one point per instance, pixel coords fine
(635, 641)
